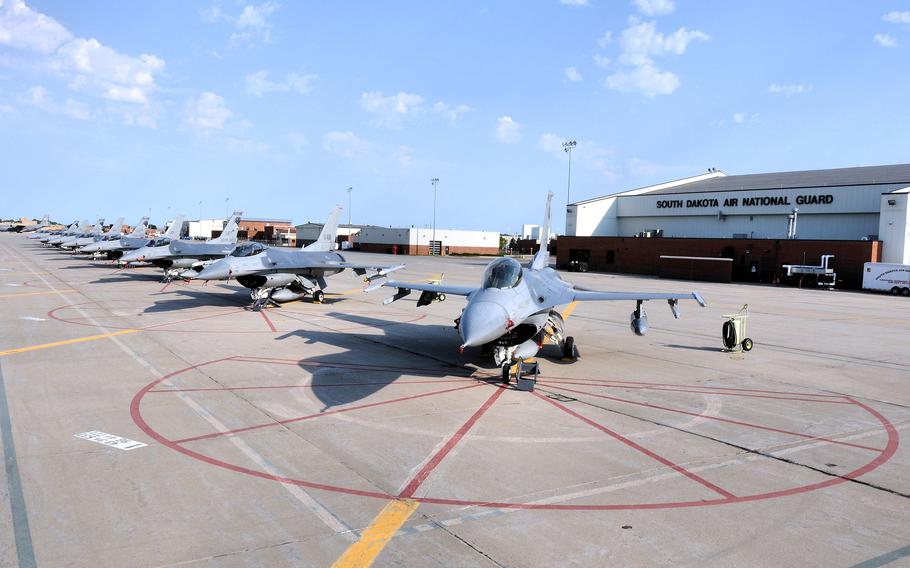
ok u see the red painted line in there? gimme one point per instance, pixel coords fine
(647, 384)
(427, 469)
(355, 366)
(668, 389)
(310, 386)
(640, 448)
(719, 419)
(267, 321)
(164, 287)
(318, 415)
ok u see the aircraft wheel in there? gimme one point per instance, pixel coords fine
(441, 297)
(318, 296)
(506, 373)
(569, 351)
(747, 344)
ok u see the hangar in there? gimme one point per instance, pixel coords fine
(760, 221)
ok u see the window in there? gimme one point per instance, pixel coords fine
(502, 273)
(162, 242)
(611, 257)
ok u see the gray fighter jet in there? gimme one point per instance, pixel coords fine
(44, 236)
(113, 246)
(98, 234)
(279, 274)
(84, 230)
(512, 314)
(178, 255)
(44, 222)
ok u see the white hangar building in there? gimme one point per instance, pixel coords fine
(861, 203)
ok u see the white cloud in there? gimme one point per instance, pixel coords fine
(23, 28)
(897, 17)
(297, 141)
(259, 85)
(601, 61)
(643, 168)
(88, 65)
(253, 23)
(41, 98)
(575, 2)
(246, 146)
(507, 130)
(789, 90)
(645, 79)
(639, 44)
(655, 7)
(885, 40)
(206, 113)
(404, 157)
(605, 40)
(389, 111)
(744, 117)
(572, 74)
(344, 144)
(449, 112)
(7, 109)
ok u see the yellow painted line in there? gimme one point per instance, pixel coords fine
(363, 553)
(567, 311)
(66, 342)
(20, 294)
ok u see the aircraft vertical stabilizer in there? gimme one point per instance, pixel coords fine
(176, 228)
(542, 258)
(327, 237)
(229, 234)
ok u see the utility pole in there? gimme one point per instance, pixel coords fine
(567, 148)
(435, 182)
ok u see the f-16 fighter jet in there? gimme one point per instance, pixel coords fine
(44, 236)
(41, 224)
(97, 235)
(84, 230)
(512, 314)
(278, 274)
(179, 255)
(113, 245)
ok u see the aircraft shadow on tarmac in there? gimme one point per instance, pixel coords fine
(691, 347)
(189, 299)
(368, 364)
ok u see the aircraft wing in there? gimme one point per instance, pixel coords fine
(589, 295)
(427, 287)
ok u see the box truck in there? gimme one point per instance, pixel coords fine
(887, 277)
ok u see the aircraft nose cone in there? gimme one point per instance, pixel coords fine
(482, 322)
(218, 270)
(131, 256)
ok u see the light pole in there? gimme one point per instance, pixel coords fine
(435, 182)
(350, 231)
(567, 148)
(226, 200)
(200, 210)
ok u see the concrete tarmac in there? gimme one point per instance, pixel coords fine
(352, 432)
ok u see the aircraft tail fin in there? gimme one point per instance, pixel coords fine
(229, 234)
(542, 258)
(45, 221)
(98, 229)
(141, 227)
(176, 228)
(329, 234)
(116, 227)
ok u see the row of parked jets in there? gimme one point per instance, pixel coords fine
(511, 315)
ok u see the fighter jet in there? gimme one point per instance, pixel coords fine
(512, 314)
(178, 255)
(44, 235)
(113, 245)
(82, 230)
(277, 274)
(98, 234)
(41, 224)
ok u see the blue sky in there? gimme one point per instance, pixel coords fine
(118, 108)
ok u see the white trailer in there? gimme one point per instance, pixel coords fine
(887, 277)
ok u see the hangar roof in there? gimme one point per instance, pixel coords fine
(893, 177)
(865, 175)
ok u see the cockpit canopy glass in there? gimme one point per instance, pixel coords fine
(160, 242)
(502, 273)
(248, 249)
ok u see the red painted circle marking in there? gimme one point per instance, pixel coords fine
(884, 455)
